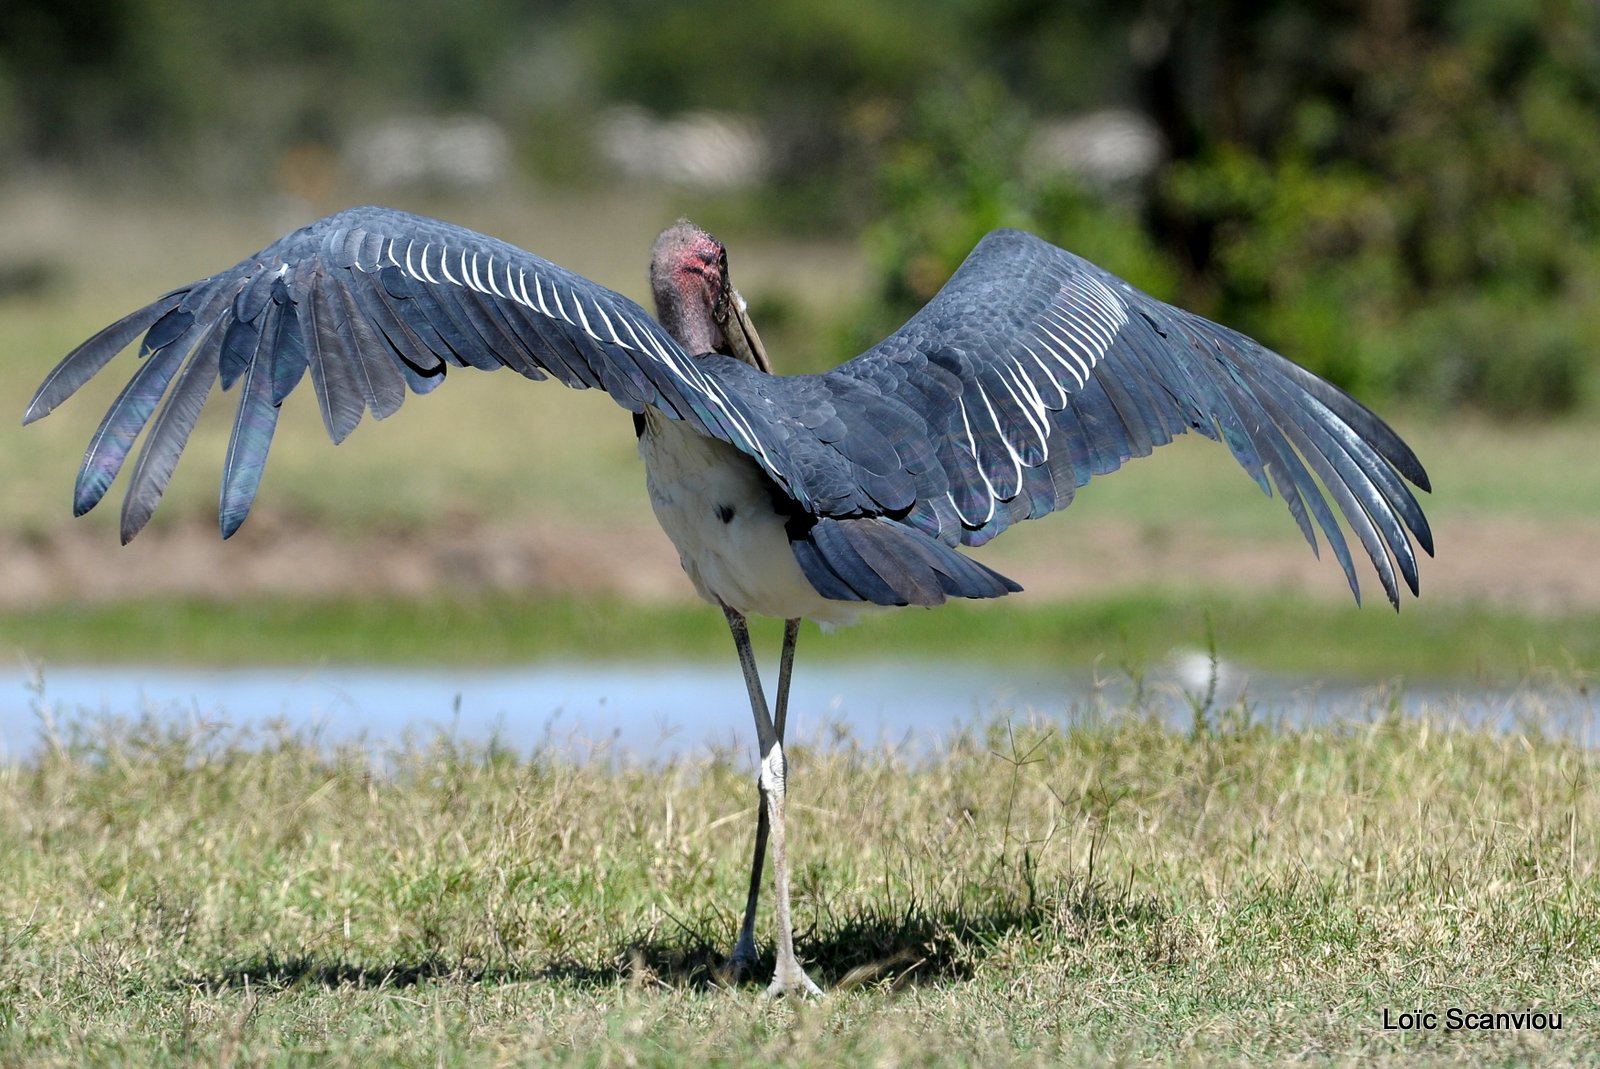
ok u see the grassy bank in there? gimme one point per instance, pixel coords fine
(1119, 894)
(1286, 634)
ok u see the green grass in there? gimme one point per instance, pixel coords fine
(1287, 634)
(1113, 894)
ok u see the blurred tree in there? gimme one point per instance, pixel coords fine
(153, 79)
(828, 79)
(1400, 194)
(954, 173)
(81, 73)
(1404, 195)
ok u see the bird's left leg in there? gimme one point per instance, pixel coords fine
(743, 959)
(788, 976)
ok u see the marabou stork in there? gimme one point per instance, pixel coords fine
(791, 496)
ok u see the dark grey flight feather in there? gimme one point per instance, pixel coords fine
(874, 559)
(1029, 373)
(169, 431)
(82, 363)
(253, 428)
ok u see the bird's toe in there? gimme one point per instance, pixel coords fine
(792, 981)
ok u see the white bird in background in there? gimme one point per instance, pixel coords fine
(791, 496)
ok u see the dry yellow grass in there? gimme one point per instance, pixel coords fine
(1115, 893)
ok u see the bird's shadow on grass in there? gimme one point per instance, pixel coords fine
(912, 945)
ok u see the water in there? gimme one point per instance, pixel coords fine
(643, 710)
(654, 711)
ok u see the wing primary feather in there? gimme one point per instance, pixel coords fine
(1380, 515)
(80, 365)
(123, 421)
(367, 351)
(1354, 514)
(248, 445)
(239, 346)
(169, 432)
(1359, 417)
(1384, 476)
(333, 370)
(1378, 434)
(1172, 409)
(288, 350)
(163, 349)
(1203, 366)
(1369, 480)
(1259, 447)
(1288, 471)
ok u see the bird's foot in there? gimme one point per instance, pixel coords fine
(792, 981)
(743, 961)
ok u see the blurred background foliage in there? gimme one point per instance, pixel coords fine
(1403, 195)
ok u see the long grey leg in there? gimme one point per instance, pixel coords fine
(788, 976)
(743, 959)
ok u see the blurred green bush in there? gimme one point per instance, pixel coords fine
(1412, 210)
(955, 171)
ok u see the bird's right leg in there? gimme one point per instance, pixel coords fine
(743, 959)
(788, 976)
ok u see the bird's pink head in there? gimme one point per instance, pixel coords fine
(695, 300)
(689, 279)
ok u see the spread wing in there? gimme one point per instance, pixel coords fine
(1033, 370)
(370, 302)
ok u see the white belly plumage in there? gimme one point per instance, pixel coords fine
(713, 501)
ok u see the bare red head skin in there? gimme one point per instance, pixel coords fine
(695, 300)
(689, 279)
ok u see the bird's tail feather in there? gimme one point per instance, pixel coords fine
(869, 558)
